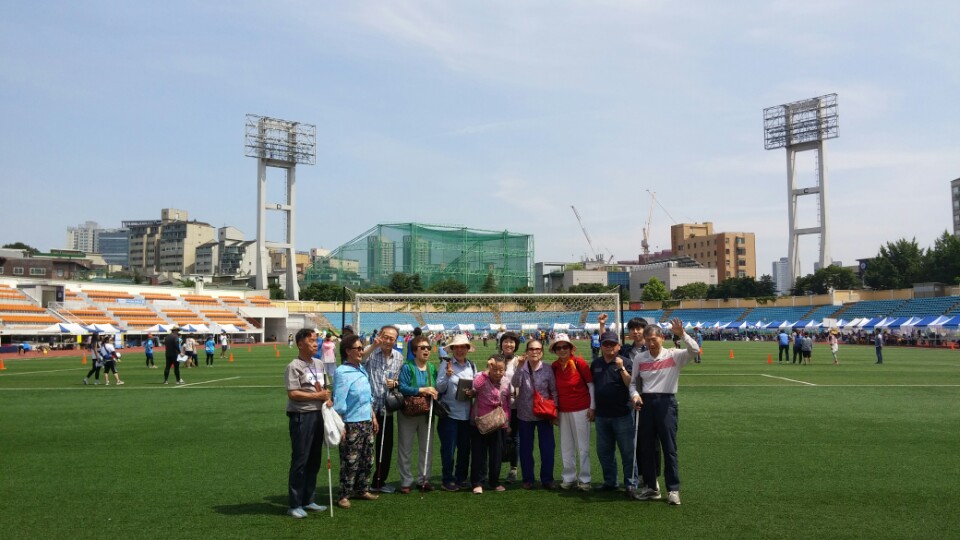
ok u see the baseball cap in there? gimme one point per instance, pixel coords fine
(609, 336)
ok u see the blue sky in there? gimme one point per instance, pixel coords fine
(492, 115)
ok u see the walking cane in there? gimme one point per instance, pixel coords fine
(383, 433)
(329, 479)
(426, 456)
(636, 428)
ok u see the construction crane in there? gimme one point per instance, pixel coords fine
(645, 244)
(597, 256)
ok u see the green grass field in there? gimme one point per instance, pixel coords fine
(766, 451)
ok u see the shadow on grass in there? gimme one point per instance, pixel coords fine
(593, 496)
(271, 505)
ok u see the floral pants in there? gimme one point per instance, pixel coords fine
(356, 459)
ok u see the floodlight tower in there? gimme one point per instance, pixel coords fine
(801, 126)
(281, 144)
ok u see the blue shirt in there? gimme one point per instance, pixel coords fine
(148, 346)
(447, 386)
(351, 394)
(595, 341)
(210, 346)
(784, 339)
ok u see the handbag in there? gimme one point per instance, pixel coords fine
(394, 400)
(543, 408)
(509, 450)
(182, 358)
(491, 421)
(417, 405)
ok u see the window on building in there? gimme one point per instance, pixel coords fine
(1, 270)
(741, 262)
(59, 272)
(726, 240)
(728, 251)
(741, 240)
(741, 251)
(38, 271)
(18, 270)
(741, 273)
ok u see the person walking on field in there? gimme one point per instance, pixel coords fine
(148, 350)
(834, 345)
(171, 346)
(95, 360)
(806, 348)
(783, 340)
(878, 343)
(224, 344)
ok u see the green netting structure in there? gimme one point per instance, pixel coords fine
(433, 252)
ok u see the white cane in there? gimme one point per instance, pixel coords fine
(383, 432)
(636, 429)
(329, 479)
(426, 456)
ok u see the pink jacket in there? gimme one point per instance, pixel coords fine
(489, 396)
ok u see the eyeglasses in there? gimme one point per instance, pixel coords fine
(357, 348)
(424, 348)
(562, 347)
(535, 349)
(609, 344)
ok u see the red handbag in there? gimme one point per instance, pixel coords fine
(543, 408)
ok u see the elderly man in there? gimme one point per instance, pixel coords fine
(308, 389)
(612, 415)
(383, 363)
(657, 373)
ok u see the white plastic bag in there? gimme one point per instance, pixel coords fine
(332, 425)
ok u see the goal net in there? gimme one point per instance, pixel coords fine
(475, 313)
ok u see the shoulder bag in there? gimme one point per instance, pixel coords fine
(416, 405)
(543, 408)
(493, 420)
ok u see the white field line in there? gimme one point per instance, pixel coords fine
(786, 379)
(47, 371)
(206, 382)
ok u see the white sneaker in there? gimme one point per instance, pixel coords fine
(106, 383)
(297, 513)
(673, 498)
(85, 381)
(566, 485)
(180, 381)
(584, 486)
(314, 507)
(119, 382)
(478, 490)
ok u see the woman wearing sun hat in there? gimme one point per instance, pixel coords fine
(454, 429)
(834, 342)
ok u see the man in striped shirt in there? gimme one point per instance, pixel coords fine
(653, 388)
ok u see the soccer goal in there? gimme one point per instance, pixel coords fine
(486, 312)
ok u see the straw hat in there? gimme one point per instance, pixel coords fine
(460, 339)
(562, 338)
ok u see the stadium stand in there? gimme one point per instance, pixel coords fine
(922, 307)
(770, 314)
(870, 308)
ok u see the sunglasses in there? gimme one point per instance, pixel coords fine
(424, 348)
(609, 344)
(535, 349)
(562, 347)
(357, 348)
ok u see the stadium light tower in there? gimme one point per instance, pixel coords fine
(281, 144)
(801, 126)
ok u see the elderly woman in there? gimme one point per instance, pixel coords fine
(532, 374)
(575, 404)
(417, 378)
(353, 401)
(493, 392)
(328, 355)
(454, 429)
(509, 343)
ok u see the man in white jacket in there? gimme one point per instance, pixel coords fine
(653, 388)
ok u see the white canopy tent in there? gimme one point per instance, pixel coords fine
(435, 327)
(65, 328)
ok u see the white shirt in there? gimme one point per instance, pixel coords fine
(661, 375)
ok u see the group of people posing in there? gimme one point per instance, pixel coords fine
(488, 414)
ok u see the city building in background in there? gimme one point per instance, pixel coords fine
(733, 254)
(433, 252)
(955, 196)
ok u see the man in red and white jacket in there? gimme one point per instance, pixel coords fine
(653, 388)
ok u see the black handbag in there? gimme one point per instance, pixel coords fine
(394, 400)
(509, 450)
